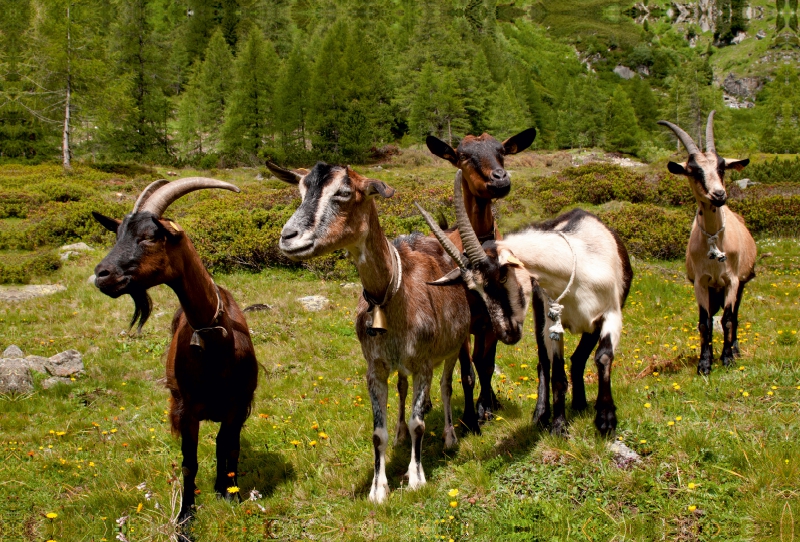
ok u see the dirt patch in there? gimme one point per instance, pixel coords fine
(10, 294)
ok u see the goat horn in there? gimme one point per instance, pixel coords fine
(147, 192)
(472, 246)
(445, 241)
(685, 138)
(710, 145)
(169, 193)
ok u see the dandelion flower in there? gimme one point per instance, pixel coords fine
(678, 418)
(647, 405)
(453, 504)
(692, 508)
(312, 443)
(745, 394)
(295, 443)
(453, 493)
(643, 441)
(670, 423)
(233, 489)
(139, 508)
(51, 515)
(322, 435)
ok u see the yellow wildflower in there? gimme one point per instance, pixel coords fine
(453, 493)
(51, 515)
(453, 504)
(233, 489)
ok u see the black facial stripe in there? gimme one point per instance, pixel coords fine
(315, 182)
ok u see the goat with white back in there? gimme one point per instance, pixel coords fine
(575, 259)
(721, 254)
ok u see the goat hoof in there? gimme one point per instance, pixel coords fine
(450, 439)
(726, 359)
(541, 417)
(185, 516)
(606, 420)
(559, 428)
(704, 366)
(401, 433)
(485, 413)
(379, 492)
(735, 349)
(472, 425)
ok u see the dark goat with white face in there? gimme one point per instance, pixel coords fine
(575, 254)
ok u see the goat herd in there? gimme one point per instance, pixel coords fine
(424, 296)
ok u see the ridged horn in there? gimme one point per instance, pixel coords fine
(710, 145)
(147, 192)
(445, 241)
(472, 246)
(685, 138)
(169, 193)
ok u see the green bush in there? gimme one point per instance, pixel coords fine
(21, 268)
(17, 203)
(62, 191)
(650, 231)
(776, 215)
(776, 171)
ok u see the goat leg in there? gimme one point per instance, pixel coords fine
(470, 418)
(728, 321)
(422, 386)
(446, 388)
(735, 329)
(483, 355)
(541, 414)
(190, 429)
(560, 385)
(705, 327)
(378, 386)
(606, 418)
(578, 366)
(401, 433)
(227, 458)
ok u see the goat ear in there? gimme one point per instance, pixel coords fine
(378, 187)
(453, 277)
(506, 257)
(441, 149)
(676, 168)
(111, 224)
(519, 142)
(286, 175)
(738, 165)
(172, 227)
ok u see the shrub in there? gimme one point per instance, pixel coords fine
(776, 171)
(649, 230)
(61, 191)
(776, 215)
(21, 268)
(17, 203)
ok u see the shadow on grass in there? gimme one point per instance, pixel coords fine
(264, 470)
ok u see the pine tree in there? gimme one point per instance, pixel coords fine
(621, 128)
(644, 102)
(214, 88)
(249, 118)
(438, 107)
(509, 113)
(291, 102)
(190, 129)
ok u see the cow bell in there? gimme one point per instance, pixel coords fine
(378, 322)
(197, 342)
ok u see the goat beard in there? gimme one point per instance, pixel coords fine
(143, 306)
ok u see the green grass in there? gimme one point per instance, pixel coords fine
(81, 451)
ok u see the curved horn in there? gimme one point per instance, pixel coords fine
(472, 246)
(166, 195)
(445, 241)
(685, 138)
(710, 145)
(147, 192)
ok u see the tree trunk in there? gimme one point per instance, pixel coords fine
(65, 150)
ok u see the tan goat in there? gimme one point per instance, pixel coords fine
(721, 255)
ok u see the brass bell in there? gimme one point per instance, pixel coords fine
(197, 342)
(378, 321)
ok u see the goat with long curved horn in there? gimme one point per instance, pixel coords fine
(472, 246)
(151, 189)
(710, 145)
(167, 194)
(686, 139)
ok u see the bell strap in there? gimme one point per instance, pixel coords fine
(555, 308)
(713, 252)
(197, 340)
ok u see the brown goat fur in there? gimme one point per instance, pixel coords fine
(211, 367)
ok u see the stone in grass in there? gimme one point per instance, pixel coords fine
(37, 363)
(54, 380)
(624, 457)
(65, 364)
(15, 377)
(13, 352)
(77, 247)
(314, 303)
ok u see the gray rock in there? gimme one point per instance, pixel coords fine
(15, 377)
(68, 255)
(77, 247)
(313, 303)
(761, 34)
(22, 293)
(739, 38)
(624, 72)
(745, 183)
(624, 457)
(36, 363)
(53, 380)
(65, 364)
(745, 87)
(13, 352)
(91, 279)
(258, 307)
(350, 286)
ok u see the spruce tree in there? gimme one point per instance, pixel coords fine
(291, 102)
(621, 128)
(249, 118)
(438, 106)
(509, 113)
(189, 125)
(214, 86)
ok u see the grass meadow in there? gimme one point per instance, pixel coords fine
(720, 456)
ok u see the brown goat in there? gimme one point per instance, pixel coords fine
(402, 323)
(211, 365)
(481, 161)
(721, 255)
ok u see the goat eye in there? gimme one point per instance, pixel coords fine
(503, 278)
(343, 194)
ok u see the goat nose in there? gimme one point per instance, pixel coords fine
(289, 233)
(499, 175)
(719, 194)
(102, 271)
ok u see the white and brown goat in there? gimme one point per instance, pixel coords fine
(403, 324)
(211, 366)
(575, 254)
(721, 255)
